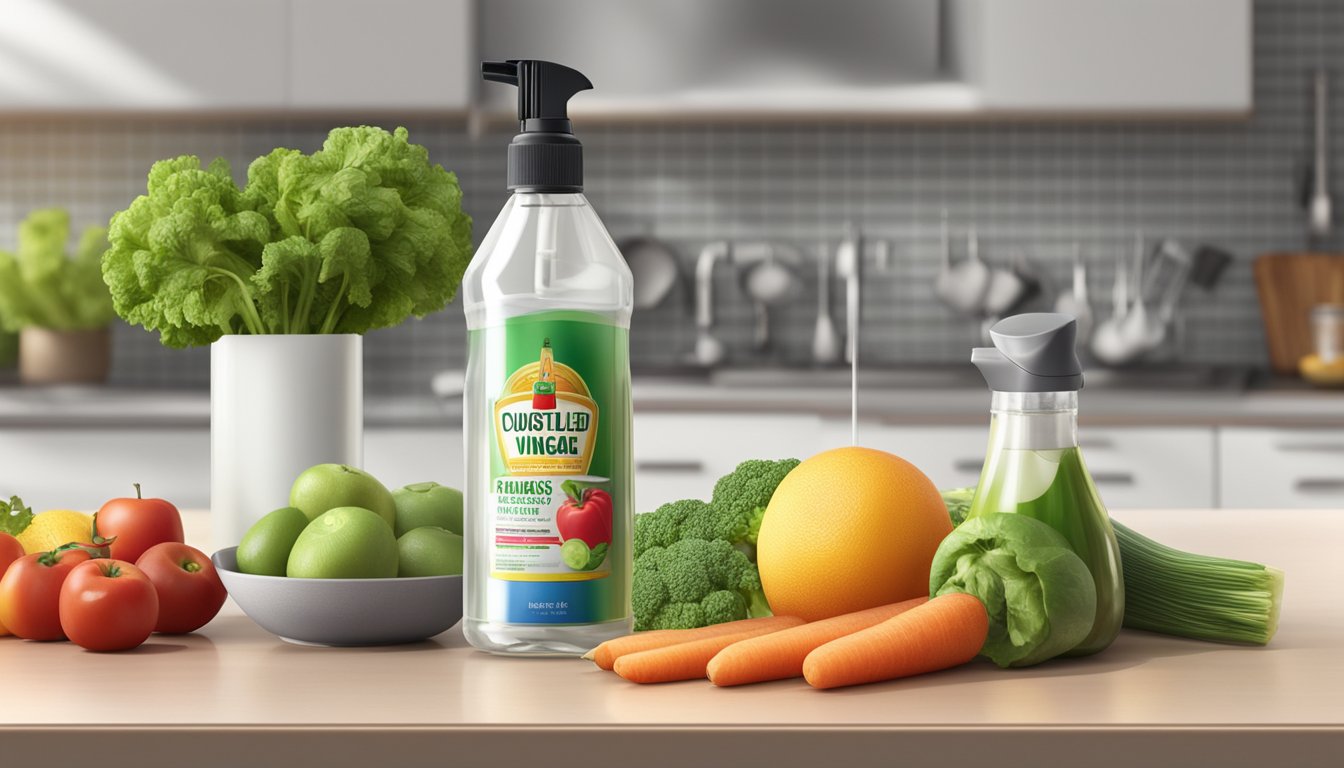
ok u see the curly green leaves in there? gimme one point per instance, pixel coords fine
(409, 210)
(359, 235)
(1040, 595)
(41, 286)
(304, 287)
(182, 256)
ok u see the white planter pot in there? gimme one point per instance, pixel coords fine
(278, 405)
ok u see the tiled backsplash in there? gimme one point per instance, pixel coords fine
(1029, 187)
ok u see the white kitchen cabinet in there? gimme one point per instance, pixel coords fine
(82, 468)
(714, 59)
(142, 55)
(1102, 56)
(194, 55)
(1281, 468)
(950, 456)
(680, 455)
(1133, 468)
(389, 54)
(402, 456)
(1151, 468)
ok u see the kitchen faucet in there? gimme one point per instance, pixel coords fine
(708, 349)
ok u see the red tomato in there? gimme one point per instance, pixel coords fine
(585, 515)
(30, 593)
(137, 524)
(10, 550)
(190, 592)
(108, 605)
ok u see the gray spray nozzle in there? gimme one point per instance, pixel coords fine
(545, 156)
(1033, 352)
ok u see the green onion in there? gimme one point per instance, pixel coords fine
(1189, 595)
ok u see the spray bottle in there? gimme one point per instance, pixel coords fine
(1034, 466)
(547, 411)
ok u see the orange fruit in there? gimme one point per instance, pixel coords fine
(849, 529)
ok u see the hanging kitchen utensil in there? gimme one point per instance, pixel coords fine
(708, 351)
(1006, 290)
(655, 267)
(1319, 209)
(1169, 273)
(767, 280)
(961, 286)
(825, 338)
(1210, 263)
(1109, 344)
(1074, 302)
(1136, 329)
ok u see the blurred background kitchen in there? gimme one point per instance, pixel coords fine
(781, 175)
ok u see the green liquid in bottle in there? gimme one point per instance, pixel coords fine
(1053, 486)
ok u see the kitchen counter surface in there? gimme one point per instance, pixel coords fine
(961, 401)
(234, 695)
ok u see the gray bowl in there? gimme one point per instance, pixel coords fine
(344, 611)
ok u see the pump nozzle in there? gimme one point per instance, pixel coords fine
(544, 156)
(544, 91)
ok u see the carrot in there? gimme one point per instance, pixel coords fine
(779, 655)
(605, 655)
(944, 632)
(687, 661)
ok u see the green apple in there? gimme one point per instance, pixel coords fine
(421, 504)
(429, 551)
(344, 543)
(265, 547)
(328, 486)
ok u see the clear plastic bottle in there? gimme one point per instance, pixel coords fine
(547, 411)
(1034, 466)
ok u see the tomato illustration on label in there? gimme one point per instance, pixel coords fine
(585, 515)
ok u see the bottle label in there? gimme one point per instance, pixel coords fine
(560, 455)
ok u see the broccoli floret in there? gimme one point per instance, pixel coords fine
(695, 561)
(741, 496)
(663, 526)
(694, 583)
(734, 515)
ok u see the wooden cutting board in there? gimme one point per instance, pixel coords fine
(1290, 284)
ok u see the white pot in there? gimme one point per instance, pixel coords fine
(278, 405)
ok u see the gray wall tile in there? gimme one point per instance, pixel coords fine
(1031, 187)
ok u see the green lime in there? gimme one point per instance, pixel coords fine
(328, 486)
(421, 504)
(265, 547)
(345, 543)
(575, 553)
(429, 551)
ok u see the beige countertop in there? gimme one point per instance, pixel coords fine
(234, 695)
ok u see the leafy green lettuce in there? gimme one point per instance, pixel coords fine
(41, 286)
(361, 234)
(1040, 595)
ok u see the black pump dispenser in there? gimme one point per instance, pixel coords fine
(545, 156)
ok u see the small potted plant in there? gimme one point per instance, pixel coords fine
(281, 277)
(57, 304)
